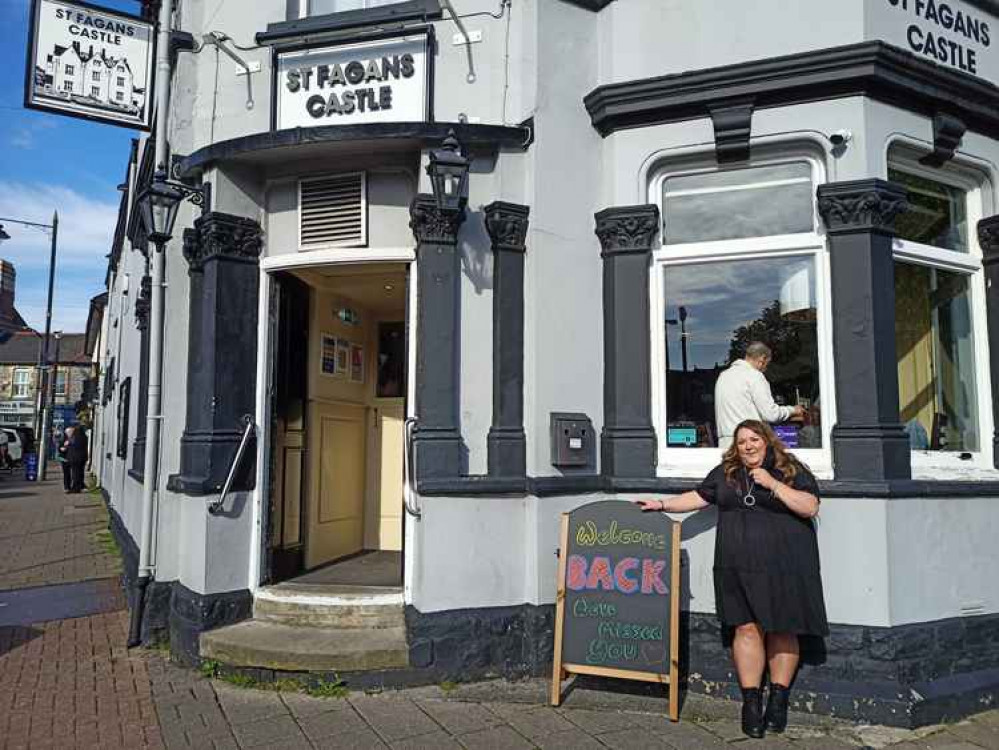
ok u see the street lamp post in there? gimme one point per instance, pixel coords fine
(40, 438)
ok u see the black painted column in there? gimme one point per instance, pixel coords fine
(507, 227)
(868, 439)
(142, 324)
(438, 450)
(223, 253)
(628, 441)
(988, 239)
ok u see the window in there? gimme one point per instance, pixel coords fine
(60, 383)
(97, 76)
(67, 86)
(119, 96)
(124, 404)
(95, 91)
(939, 304)
(121, 80)
(22, 383)
(322, 7)
(69, 70)
(741, 261)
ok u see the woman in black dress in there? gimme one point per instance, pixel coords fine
(767, 582)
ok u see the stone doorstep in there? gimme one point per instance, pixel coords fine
(345, 607)
(289, 648)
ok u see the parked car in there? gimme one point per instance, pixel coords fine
(15, 448)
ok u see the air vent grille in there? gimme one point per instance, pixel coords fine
(332, 211)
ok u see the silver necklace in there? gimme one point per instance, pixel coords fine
(749, 499)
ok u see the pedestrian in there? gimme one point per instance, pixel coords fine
(768, 590)
(76, 455)
(61, 451)
(742, 392)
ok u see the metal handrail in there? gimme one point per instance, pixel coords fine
(217, 506)
(408, 492)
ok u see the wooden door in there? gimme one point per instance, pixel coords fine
(390, 420)
(336, 497)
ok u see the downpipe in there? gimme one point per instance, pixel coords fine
(144, 573)
(138, 606)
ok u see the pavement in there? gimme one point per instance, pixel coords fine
(68, 681)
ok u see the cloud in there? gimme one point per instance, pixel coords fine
(86, 230)
(86, 225)
(23, 136)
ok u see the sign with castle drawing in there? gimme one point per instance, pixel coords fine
(90, 62)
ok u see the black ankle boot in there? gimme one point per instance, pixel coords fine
(752, 713)
(776, 716)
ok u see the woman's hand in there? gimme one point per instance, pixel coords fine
(647, 505)
(763, 478)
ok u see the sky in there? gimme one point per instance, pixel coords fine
(50, 162)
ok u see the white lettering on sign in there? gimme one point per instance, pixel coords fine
(950, 33)
(383, 81)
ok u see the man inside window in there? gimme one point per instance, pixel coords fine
(742, 392)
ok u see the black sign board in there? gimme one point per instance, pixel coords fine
(618, 604)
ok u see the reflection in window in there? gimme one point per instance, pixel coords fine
(936, 359)
(738, 203)
(936, 214)
(322, 7)
(713, 311)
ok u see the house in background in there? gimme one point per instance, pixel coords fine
(19, 377)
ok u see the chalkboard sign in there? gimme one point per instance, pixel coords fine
(618, 605)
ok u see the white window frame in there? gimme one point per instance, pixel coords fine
(363, 242)
(303, 7)
(696, 462)
(930, 463)
(64, 374)
(16, 388)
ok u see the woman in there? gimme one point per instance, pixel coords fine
(767, 583)
(67, 475)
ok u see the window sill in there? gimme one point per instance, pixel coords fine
(409, 10)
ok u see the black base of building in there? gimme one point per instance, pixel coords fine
(628, 452)
(906, 676)
(191, 614)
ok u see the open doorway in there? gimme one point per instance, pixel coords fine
(340, 384)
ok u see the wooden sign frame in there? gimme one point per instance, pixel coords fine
(561, 671)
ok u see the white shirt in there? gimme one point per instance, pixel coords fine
(742, 392)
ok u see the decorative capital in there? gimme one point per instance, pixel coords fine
(507, 225)
(219, 236)
(627, 229)
(988, 239)
(142, 303)
(861, 206)
(432, 225)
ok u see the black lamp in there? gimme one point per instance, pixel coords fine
(3, 234)
(448, 170)
(158, 204)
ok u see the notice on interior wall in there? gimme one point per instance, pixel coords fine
(954, 34)
(381, 81)
(327, 355)
(90, 62)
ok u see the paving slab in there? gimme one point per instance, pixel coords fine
(460, 718)
(274, 729)
(635, 739)
(538, 722)
(393, 718)
(320, 726)
(434, 741)
(363, 739)
(500, 738)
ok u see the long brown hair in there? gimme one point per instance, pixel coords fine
(783, 461)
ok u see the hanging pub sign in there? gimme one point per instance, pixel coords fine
(617, 611)
(90, 62)
(387, 80)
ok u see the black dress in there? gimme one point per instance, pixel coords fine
(766, 557)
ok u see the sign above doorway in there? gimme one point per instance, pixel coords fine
(387, 80)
